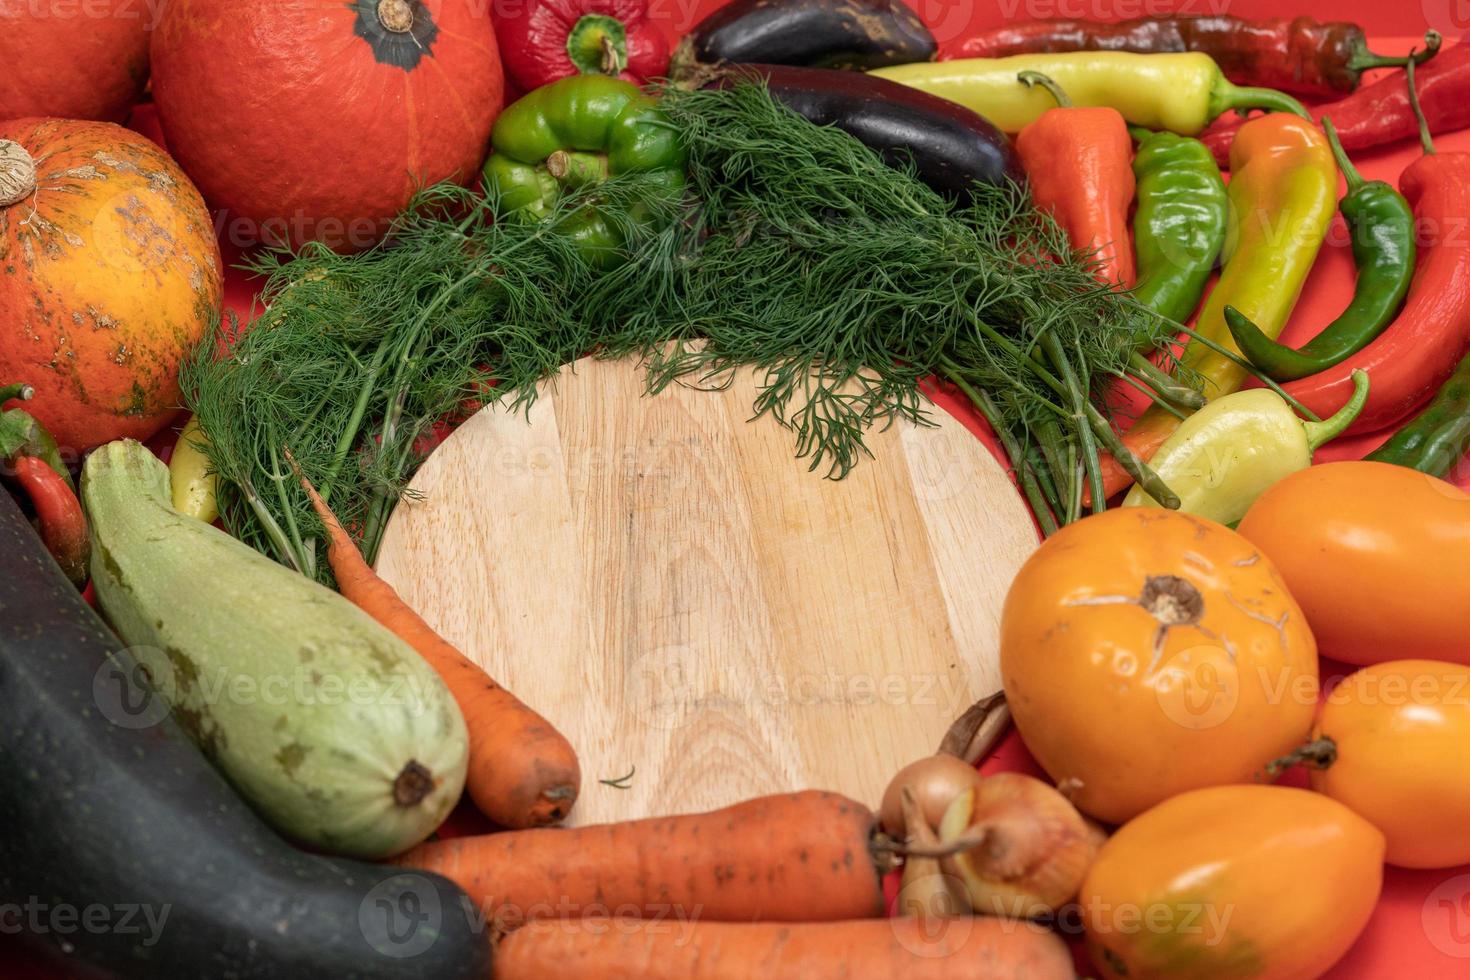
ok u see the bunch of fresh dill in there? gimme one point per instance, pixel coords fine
(844, 282)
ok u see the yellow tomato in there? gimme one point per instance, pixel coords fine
(1264, 882)
(1148, 652)
(1378, 555)
(1402, 732)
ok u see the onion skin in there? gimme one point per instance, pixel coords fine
(936, 780)
(1036, 847)
(926, 890)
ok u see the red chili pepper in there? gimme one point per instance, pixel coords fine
(1296, 54)
(544, 40)
(1380, 113)
(1079, 164)
(1420, 349)
(63, 526)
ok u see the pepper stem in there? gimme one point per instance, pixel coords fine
(1424, 137)
(1332, 426)
(17, 173)
(1225, 96)
(1349, 172)
(1363, 59)
(598, 45)
(1033, 78)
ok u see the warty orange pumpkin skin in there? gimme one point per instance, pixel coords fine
(317, 121)
(86, 59)
(1401, 732)
(109, 276)
(1232, 883)
(1147, 652)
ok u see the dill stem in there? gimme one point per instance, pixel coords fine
(1058, 356)
(348, 437)
(1109, 439)
(1037, 465)
(1024, 474)
(272, 529)
(1050, 440)
(1170, 390)
(1153, 395)
(1074, 503)
(1254, 371)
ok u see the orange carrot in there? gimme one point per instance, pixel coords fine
(522, 771)
(788, 858)
(870, 949)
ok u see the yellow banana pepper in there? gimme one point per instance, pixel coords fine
(192, 482)
(1179, 92)
(1282, 195)
(1231, 451)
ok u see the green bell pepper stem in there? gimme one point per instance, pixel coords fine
(1319, 433)
(1225, 95)
(1178, 228)
(1439, 436)
(20, 391)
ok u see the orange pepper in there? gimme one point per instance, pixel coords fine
(1079, 163)
(1283, 194)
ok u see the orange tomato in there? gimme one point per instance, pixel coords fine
(1265, 882)
(1402, 731)
(1378, 555)
(1146, 652)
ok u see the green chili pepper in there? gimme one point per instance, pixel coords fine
(1227, 454)
(575, 132)
(1381, 225)
(1435, 439)
(1179, 224)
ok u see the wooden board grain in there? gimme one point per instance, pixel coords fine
(671, 587)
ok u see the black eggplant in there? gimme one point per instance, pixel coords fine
(811, 33)
(125, 854)
(951, 146)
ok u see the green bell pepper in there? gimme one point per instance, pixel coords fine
(576, 132)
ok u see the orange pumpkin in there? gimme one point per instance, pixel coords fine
(318, 121)
(1265, 882)
(109, 276)
(1401, 732)
(1378, 555)
(1148, 652)
(84, 59)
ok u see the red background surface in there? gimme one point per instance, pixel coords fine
(1422, 926)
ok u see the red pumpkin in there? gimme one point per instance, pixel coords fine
(317, 121)
(109, 276)
(83, 59)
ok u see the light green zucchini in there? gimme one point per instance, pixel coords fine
(335, 730)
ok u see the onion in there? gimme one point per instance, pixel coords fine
(1034, 847)
(926, 890)
(936, 780)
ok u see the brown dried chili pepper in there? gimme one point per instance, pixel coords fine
(1296, 54)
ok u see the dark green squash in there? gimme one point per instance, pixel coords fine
(108, 810)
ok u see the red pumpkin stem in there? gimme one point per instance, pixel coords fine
(395, 16)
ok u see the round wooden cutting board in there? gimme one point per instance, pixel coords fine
(661, 578)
